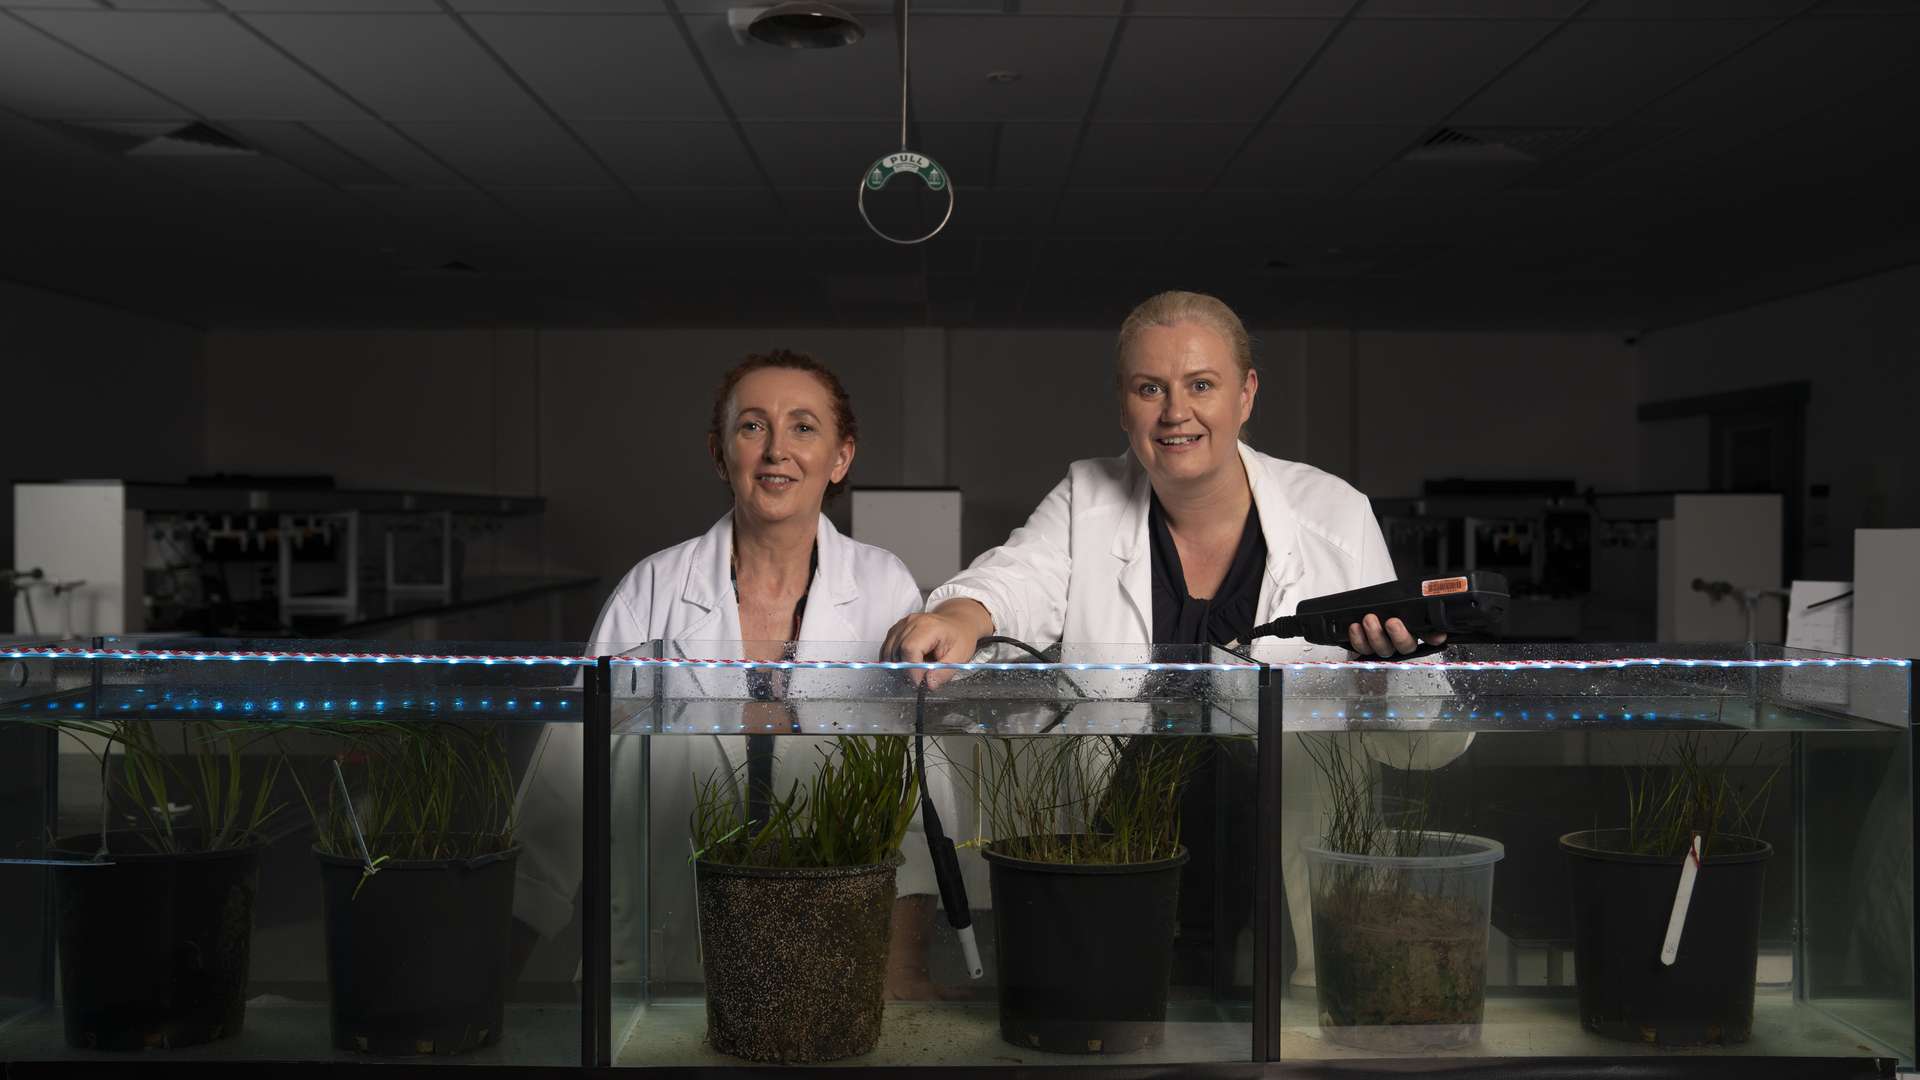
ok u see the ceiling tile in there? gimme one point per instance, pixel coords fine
(564, 7)
(577, 211)
(762, 83)
(388, 150)
(1035, 155)
(1184, 157)
(403, 67)
(835, 155)
(207, 62)
(1467, 9)
(670, 154)
(42, 78)
(377, 7)
(1057, 59)
(1005, 207)
(1404, 72)
(456, 211)
(1691, 9)
(1580, 162)
(820, 155)
(302, 147)
(527, 152)
(1130, 213)
(1803, 65)
(610, 66)
(1070, 7)
(1328, 158)
(1205, 69)
(1283, 9)
(712, 211)
(1600, 72)
(1429, 177)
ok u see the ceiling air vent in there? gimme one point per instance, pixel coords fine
(1479, 145)
(191, 140)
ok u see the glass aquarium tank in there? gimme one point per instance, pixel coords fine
(1598, 852)
(246, 850)
(1076, 879)
(717, 854)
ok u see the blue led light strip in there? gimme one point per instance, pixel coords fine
(58, 653)
(52, 653)
(1588, 665)
(902, 665)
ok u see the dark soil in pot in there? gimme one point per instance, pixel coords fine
(1621, 905)
(1084, 952)
(153, 949)
(795, 958)
(417, 962)
(1400, 943)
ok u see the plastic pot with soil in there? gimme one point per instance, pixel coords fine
(795, 899)
(153, 948)
(1623, 902)
(795, 958)
(417, 953)
(1400, 941)
(1084, 950)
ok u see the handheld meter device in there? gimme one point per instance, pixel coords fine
(1460, 603)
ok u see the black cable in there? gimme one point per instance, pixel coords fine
(946, 861)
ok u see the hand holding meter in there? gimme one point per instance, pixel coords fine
(1472, 602)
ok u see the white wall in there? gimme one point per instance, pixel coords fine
(93, 391)
(1858, 345)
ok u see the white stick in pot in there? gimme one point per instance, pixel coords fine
(1690, 869)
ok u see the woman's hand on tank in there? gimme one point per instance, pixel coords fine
(1370, 637)
(948, 635)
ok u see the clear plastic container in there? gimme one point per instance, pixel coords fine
(1400, 942)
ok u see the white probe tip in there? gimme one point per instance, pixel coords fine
(972, 950)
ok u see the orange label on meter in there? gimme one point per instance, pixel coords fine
(1443, 586)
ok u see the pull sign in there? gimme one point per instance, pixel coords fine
(920, 165)
(881, 172)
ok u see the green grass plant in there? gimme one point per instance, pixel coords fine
(1089, 800)
(229, 793)
(419, 791)
(854, 812)
(1686, 789)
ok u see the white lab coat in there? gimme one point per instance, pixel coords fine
(1081, 568)
(1081, 571)
(684, 595)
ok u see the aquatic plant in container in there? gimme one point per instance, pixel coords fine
(414, 832)
(155, 922)
(1400, 912)
(796, 907)
(1665, 952)
(1085, 859)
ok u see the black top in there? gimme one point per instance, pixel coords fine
(1227, 616)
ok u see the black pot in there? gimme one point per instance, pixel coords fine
(1084, 952)
(417, 962)
(153, 949)
(1621, 906)
(795, 958)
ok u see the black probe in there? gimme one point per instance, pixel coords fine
(946, 861)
